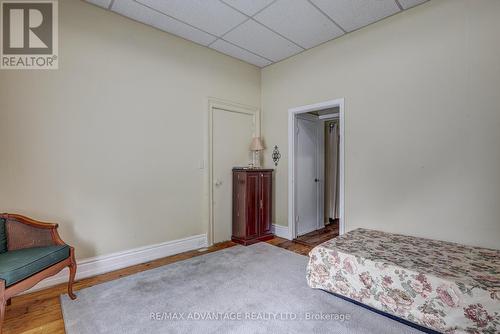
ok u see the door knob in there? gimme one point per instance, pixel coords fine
(218, 183)
(316, 180)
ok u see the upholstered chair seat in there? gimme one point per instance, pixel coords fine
(23, 263)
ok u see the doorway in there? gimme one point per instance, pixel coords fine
(231, 129)
(316, 169)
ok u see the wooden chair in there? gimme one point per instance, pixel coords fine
(30, 251)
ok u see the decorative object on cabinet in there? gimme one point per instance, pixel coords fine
(276, 155)
(256, 146)
(252, 205)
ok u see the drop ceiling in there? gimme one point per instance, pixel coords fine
(260, 32)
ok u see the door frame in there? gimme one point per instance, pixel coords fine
(292, 116)
(229, 106)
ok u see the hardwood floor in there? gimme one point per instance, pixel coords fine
(40, 312)
(291, 245)
(317, 237)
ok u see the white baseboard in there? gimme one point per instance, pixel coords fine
(281, 231)
(106, 263)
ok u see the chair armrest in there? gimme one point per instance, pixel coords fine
(24, 232)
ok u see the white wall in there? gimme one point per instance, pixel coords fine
(110, 145)
(422, 93)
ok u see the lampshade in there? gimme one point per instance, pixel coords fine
(256, 144)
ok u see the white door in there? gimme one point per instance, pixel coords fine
(232, 133)
(306, 175)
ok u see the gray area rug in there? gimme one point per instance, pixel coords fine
(255, 289)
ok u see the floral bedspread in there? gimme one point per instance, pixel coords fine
(443, 286)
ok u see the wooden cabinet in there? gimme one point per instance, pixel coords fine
(252, 205)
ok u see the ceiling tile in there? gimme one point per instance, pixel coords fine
(237, 52)
(354, 14)
(286, 27)
(248, 7)
(300, 22)
(101, 3)
(136, 11)
(262, 41)
(209, 15)
(410, 3)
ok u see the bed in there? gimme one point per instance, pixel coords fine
(443, 286)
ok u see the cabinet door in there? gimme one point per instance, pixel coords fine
(239, 205)
(252, 205)
(265, 205)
